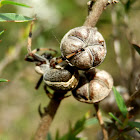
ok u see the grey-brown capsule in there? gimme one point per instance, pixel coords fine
(94, 86)
(84, 47)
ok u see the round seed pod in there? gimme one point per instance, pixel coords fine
(84, 47)
(94, 86)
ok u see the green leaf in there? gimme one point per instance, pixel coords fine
(78, 127)
(82, 123)
(134, 124)
(49, 137)
(4, 80)
(120, 102)
(68, 136)
(4, 2)
(12, 17)
(57, 135)
(138, 130)
(90, 122)
(137, 48)
(82, 138)
(2, 32)
(115, 118)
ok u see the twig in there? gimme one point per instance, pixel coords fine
(48, 116)
(99, 117)
(95, 13)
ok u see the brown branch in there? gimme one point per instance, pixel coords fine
(48, 117)
(95, 13)
(99, 117)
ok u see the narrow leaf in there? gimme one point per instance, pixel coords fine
(120, 102)
(138, 130)
(49, 137)
(57, 135)
(134, 124)
(12, 17)
(2, 32)
(83, 138)
(90, 122)
(115, 118)
(79, 126)
(4, 2)
(4, 80)
(137, 48)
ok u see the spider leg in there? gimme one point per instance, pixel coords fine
(44, 49)
(39, 82)
(90, 4)
(27, 58)
(74, 53)
(30, 38)
(38, 57)
(61, 59)
(33, 54)
(41, 114)
(47, 92)
(35, 58)
(112, 1)
(56, 61)
(30, 52)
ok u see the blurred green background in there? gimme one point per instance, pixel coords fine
(18, 98)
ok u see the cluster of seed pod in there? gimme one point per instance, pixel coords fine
(85, 48)
(94, 85)
(82, 48)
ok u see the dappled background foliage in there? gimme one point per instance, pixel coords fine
(18, 98)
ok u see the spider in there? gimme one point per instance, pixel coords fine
(55, 72)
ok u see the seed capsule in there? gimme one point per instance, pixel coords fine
(94, 86)
(84, 47)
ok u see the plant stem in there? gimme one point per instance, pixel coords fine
(95, 13)
(48, 117)
(99, 117)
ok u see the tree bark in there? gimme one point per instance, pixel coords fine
(47, 118)
(95, 13)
